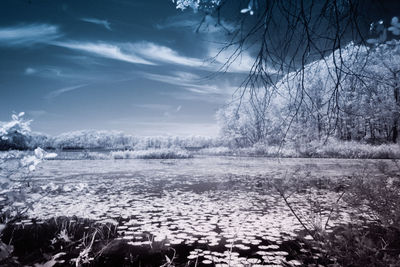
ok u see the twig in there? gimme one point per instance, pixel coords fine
(293, 212)
(330, 213)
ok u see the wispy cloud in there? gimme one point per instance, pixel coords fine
(104, 23)
(111, 51)
(30, 71)
(150, 53)
(58, 92)
(172, 112)
(36, 113)
(57, 72)
(204, 24)
(139, 53)
(173, 22)
(164, 54)
(191, 82)
(229, 60)
(167, 110)
(218, 59)
(158, 107)
(45, 71)
(26, 35)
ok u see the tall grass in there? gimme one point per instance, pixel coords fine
(330, 149)
(172, 153)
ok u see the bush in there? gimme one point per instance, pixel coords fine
(340, 149)
(173, 153)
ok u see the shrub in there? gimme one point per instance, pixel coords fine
(173, 153)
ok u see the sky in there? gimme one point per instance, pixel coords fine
(134, 66)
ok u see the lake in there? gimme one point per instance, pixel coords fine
(209, 210)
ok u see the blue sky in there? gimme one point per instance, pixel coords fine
(133, 66)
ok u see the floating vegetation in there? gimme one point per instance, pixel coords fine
(208, 212)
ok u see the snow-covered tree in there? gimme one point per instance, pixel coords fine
(384, 72)
(355, 98)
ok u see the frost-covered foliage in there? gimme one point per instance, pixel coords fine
(193, 141)
(170, 153)
(15, 134)
(351, 149)
(39, 155)
(207, 5)
(15, 183)
(195, 5)
(360, 102)
(256, 150)
(252, 120)
(15, 172)
(16, 167)
(90, 139)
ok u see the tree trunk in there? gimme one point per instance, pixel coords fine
(395, 130)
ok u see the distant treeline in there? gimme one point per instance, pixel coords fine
(103, 140)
